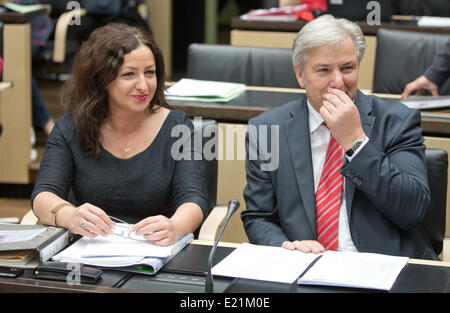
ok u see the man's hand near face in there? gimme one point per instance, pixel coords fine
(342, 117)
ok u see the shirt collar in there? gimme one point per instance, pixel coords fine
(314, 118)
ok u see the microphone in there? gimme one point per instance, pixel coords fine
(233, 205)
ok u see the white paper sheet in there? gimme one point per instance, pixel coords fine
(202, 88)
(73, 254)
(204, 91)
(117, 246)
(350, 269)
(427, 102)
(274, 264)
(115, 249)
(434, 21)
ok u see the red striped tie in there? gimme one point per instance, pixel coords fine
(328, 196)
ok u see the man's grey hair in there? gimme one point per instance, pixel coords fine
(326, 30)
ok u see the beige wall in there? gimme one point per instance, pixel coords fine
(231, 181)
(15, 108)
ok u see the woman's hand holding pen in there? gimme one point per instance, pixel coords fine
(86, 220)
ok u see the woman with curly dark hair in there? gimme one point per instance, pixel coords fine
(110, 154)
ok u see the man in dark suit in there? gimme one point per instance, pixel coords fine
(351, 173)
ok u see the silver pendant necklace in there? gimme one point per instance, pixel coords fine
(127, 148)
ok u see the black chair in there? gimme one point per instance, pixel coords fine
(209, 133)
(249, 65)
(402, 56)
(434, 221)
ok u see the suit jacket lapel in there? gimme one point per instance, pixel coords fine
(367, 121)
(297, 132)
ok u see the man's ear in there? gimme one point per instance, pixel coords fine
(298, 74)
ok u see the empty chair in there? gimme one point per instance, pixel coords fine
(249, 65)
(402, 56)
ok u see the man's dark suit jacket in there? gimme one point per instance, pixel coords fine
(439, 71)
(386, 186)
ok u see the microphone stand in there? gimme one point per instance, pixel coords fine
(233, 205)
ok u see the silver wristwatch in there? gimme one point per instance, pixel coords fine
(355, 146)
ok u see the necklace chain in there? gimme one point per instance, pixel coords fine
(127, 148)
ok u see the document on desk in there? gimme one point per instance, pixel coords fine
(44, 240)
(332, 268)
(353, 269)
(117, 246)
(121, 253)
(434, 21)
(204, 90)
(266, 263)
(427, 102)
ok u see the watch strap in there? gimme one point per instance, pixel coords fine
(54, 211)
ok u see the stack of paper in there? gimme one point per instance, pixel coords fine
(359, 270)
(204, 91)
(427, 102)
(276, 264)
(434, 21)
(16, 258)
(121, 253)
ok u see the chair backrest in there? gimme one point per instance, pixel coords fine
(208, 129)
(402, 56)
(434, 221)
(249, 65)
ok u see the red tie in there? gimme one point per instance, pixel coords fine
(328, 196)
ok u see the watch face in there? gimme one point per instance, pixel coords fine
(355, 147)
(357, 144)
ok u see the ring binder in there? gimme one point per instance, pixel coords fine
(47, 243)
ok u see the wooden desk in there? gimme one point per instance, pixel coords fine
(257, 100)
(418, 276)
(277, 34)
